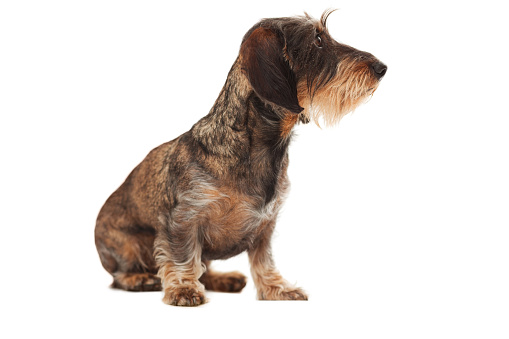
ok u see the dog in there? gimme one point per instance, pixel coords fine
(216, 190)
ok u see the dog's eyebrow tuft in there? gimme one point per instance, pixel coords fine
(325, 16)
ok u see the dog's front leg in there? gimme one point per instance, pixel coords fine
(178, 255)
(270, 285)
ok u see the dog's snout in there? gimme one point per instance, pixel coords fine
(379, 69)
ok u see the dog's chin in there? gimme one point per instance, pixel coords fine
(330, 109)
(329, 104)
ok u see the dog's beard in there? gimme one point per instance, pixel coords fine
(351, 86)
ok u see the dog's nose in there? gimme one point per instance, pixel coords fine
(379, 69)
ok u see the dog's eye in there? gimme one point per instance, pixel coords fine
(318, 41)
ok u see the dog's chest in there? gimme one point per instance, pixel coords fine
(229, 218)
(228, 222)
(232, 225)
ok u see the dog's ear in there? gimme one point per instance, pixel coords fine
(264, 63)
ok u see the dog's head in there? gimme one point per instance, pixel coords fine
(294, 63)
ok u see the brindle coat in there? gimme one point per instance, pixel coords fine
(216, 190)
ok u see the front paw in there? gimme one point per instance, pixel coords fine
(278, 293)
(294, 294)
(184, 296)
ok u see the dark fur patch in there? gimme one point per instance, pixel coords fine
(267, 70)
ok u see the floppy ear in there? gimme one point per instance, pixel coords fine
(268, 71)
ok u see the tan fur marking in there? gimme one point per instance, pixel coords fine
(287, 124)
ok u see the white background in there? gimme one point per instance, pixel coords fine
(397, 223)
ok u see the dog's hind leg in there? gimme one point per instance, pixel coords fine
(126, 250)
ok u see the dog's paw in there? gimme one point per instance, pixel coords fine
(224, 282)
(184, 296)
(232, 282)
(278, 293)
(137, 282)
(293, 294)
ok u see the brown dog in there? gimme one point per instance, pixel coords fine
(216, 190)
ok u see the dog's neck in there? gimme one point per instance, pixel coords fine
(240, 120)
(246, 137)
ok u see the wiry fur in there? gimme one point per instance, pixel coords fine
(216, 190)
(347, 89)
